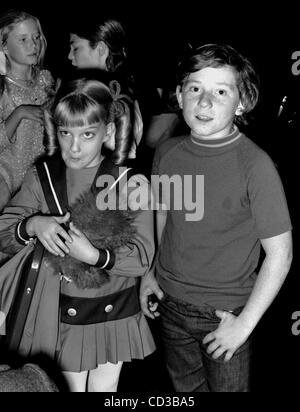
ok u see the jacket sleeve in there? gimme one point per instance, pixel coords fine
(135, 259)
(25, 203)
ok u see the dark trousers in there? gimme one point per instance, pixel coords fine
(183, 327)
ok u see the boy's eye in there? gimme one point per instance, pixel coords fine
(222, 92)
(194, 89)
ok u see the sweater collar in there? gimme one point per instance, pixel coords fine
(223, 141)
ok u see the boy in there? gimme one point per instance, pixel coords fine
(212, 296)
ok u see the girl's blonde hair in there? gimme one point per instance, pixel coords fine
(8, 20)
(82, 102)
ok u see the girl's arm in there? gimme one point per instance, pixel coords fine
(136, 258)
(4, 140)
(29, 112)
(9, 125)
(23, 219)
(24, 204)
(12, 122)
(132, 260)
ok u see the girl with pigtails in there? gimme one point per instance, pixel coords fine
(85, 310)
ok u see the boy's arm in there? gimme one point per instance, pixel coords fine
(149, 284)
(233, 331)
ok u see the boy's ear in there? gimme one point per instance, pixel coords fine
(102, 49)
(109, 140)
(179, 96)
(240, 109)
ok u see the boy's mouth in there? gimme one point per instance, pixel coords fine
(203, 118)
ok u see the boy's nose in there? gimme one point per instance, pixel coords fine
(205, 100)
(70, 55)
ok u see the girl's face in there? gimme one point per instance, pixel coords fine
(23, 45)
(209, 99)
(81, 146)
(83, 56)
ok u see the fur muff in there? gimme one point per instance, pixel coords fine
(105, 229)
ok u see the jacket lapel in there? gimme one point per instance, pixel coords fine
(52, 174)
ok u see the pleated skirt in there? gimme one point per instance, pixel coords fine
(84, 347)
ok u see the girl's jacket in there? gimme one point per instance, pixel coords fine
(132, 260)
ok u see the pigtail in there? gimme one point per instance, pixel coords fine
(3, 63)
(126, 115)
(51, 144)
(2, 84)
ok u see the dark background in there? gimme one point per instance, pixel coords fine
(158, 34)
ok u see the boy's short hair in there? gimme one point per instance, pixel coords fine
(219, 55)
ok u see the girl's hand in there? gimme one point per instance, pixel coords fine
(48, 229)
(31, 112)
(81, 248)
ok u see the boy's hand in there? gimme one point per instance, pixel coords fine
(149, 286)
(228, 337)
(48, 229)
(81, 248)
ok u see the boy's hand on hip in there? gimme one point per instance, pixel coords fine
(228, 337)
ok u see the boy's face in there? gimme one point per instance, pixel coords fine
(83, 56)
(209, 99)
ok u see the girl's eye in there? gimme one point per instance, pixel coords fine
(64, 133)
(37, 37)
(89, 135)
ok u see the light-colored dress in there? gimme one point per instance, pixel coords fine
(19, 153)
